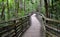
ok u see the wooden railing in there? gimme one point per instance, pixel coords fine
(15, 27)
(52, 25)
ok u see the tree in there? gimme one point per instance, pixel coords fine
(46, 8)
(3, 9)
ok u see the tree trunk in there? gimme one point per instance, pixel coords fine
(21, 4)
(8, 10)
(3, 8)
(16, 8)
(24, 5)
(46, 7)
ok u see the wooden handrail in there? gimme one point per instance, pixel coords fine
(53, 28)
(48, 19)
(16, 28)
(13, 19)
(52, 20)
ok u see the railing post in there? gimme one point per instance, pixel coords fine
(29, 20)
(22, 24)
(15, 28)
(44, 23)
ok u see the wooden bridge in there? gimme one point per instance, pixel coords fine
(29, 26)
(35, 29)
(29, 18)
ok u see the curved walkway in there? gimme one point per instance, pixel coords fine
(35, 28)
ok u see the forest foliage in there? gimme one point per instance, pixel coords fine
(53, 9)
(16, 8)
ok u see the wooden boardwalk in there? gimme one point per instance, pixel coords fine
(35, 29)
